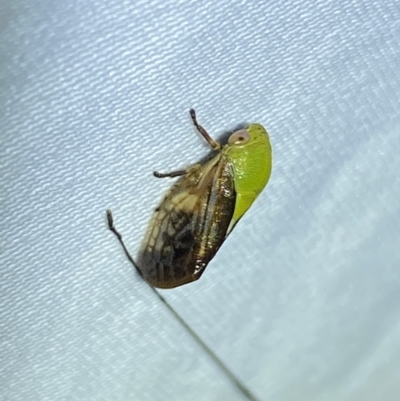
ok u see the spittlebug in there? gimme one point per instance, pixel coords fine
(201, 209)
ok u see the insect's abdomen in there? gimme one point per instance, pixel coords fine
(188, 227)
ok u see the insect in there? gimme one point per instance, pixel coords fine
(202, 207)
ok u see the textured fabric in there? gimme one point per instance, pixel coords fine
(302, 300)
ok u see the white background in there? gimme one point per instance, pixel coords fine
(302, 302)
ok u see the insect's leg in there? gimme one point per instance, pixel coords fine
(214, 144)
(111, 227)
(189, 171)
(170, 174)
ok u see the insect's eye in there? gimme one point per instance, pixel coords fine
(239, 137)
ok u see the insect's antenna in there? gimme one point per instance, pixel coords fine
(235, 381)
(214, 144)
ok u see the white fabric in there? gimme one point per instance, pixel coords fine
(302, 301)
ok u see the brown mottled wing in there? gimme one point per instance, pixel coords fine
(189, 225)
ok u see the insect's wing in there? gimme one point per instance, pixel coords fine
(189, 225)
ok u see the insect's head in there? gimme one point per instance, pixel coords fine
(223, 139)
(240, 137)
(251, 132)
